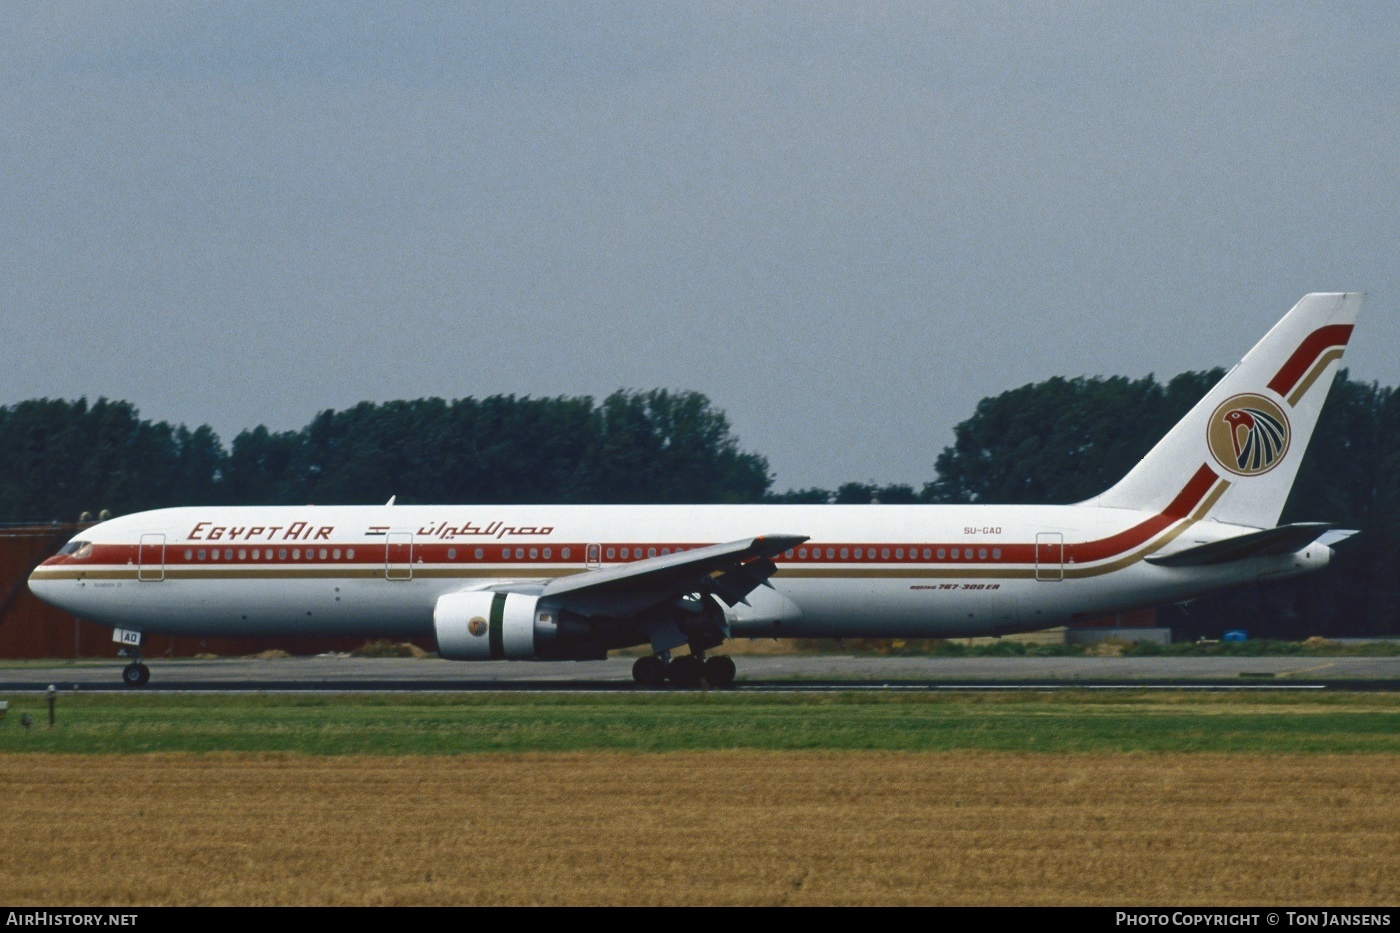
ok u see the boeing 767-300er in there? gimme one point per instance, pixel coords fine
(1196, 515)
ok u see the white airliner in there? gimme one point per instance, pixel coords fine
(1196, 515)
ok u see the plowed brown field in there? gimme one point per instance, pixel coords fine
(741, 827)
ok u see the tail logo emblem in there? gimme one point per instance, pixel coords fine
(1248, 435)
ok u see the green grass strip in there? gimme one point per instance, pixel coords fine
(447, 724)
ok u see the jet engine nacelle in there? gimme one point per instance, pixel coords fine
(487, 626)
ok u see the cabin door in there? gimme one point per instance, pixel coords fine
(150, 558)
(1050, 556)
(398, 556)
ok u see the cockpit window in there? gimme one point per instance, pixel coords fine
(78, 550)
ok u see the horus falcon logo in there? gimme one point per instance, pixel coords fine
(477, 626)
(1248, 434)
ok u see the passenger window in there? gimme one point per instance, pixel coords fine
(520, 553)
(564, 553)
(858, 554)
(802, 553)
(844, 553)
(899, 553)
(202, 555)
(451, 553)
(884, 553)
(534, 553)
(981, 553)
(926, 554)
(296, 553)
(830, 553)
(955, 553)
(479, 554)
(281, 555)
(228, 553)
(624, 553)
(651, 552)
(189, 554)
(350, 554)
(665, 551)
(942, 553)
(547, 553)
(611, 553)
(996, 553)
(242, 553)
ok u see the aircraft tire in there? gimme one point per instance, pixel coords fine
(649, 671)
(687, 671)
(136, 675)
(720, 671)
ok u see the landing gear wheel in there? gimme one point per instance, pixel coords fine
(136, 674)
(720, 671)
(687, 671)
(649, 671)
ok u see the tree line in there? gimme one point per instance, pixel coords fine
(1057, 441)
(1065, 440)
(61, 458)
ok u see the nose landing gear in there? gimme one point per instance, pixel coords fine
(136, 674)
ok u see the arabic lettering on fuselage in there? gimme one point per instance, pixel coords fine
(447, 531)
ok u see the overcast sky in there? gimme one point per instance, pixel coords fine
(845, 223)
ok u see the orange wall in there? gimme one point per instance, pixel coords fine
(30, 628)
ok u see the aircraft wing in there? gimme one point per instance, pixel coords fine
(728, 571)
(1284, 539)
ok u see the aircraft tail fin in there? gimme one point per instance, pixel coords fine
(1235, 455)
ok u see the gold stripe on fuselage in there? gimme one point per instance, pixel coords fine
(800, 572)
(1154, 546)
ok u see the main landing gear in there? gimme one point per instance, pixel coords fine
(688, 670)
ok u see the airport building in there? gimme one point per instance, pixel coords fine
(30, 628)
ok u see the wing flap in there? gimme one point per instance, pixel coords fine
(730, 571)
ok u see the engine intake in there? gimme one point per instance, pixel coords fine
(487, 626)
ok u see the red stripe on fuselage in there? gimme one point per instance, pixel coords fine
(372, 554)
(1180, 507)
(1317, 343)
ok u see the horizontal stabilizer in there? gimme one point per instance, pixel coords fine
(1337, 536)
(1286, 539)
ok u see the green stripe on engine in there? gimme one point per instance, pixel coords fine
(497, 633)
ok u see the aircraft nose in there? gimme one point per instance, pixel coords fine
(43, 584)
(39, 585)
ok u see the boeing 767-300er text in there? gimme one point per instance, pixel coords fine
(1196, 515)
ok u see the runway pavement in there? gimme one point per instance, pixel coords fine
(785, 672)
